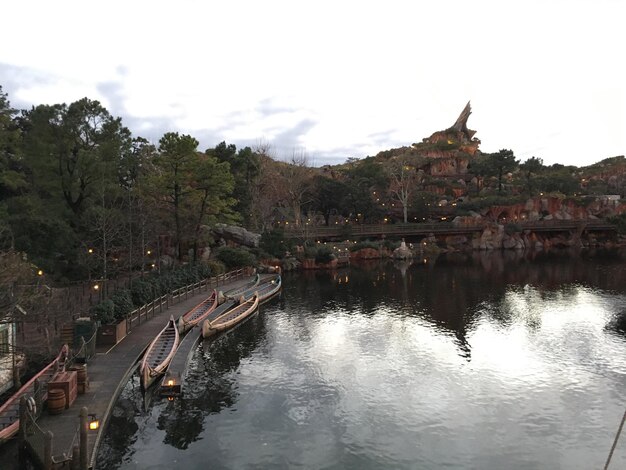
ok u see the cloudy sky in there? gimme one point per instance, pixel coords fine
(335, 79)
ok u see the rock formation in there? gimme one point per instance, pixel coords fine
(238, 235)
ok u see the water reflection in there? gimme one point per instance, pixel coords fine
(467, 361)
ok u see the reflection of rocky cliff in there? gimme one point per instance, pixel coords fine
(183, 419)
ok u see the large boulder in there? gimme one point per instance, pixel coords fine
(239, 235)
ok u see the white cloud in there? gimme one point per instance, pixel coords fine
(545, 78)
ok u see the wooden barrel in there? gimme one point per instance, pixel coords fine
(81, 378)
(56, 401)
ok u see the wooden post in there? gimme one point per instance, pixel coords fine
(38, 396)
(83, 438)
(47, 450)
(22, 428)
(74, 464)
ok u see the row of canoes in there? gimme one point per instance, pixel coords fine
(218, 313)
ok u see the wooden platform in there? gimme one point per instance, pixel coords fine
(108, 372)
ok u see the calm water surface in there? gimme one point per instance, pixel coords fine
(486, 361)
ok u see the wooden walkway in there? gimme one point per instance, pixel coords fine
(108, 372)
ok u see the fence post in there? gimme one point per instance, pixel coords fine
(47, 450)
(74, 464)
(83, 438)
(38, 396)
(22, 429)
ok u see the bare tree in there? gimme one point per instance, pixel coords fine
(404, 178)
(296, 178)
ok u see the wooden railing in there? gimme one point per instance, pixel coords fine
(311, 231)
(148, 310)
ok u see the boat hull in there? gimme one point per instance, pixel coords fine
(230, 318)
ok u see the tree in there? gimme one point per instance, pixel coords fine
(531, 167)
(363, 182)
(500, 163)
(296, 179)
(245, 167)
(213, 183)
(327, 196)
(12, 177)
(404, 178)
(70, 148)
(175, 163)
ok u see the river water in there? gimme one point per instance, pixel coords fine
(481, 361)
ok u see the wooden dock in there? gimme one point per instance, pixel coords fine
(108, 372)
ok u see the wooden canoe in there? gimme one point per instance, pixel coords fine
(231, 317)
(10, 410)
(195, 316)
(235, 293)
(266, 290)
(159, 354)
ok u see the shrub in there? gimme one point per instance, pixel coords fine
(620, 222)
(364, 244)
(324, 255)
(141, 292)
(123, 303)
(104, 312)
(235, 257)
(274, 243)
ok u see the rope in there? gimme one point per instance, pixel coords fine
(619, 431)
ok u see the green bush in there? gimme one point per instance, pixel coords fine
(123, 303)
(141, 292)
(391, 245)
(620, 222)
(274, 243)
(324, 255)
(364, 244)
(104, 312)
(145, 290)
(234, 258)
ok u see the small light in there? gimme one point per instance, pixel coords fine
(94, 422)
(96, 287)
(170, 383)
(149, 252)
(40, 273)
(170, 398)
(90, 250)
(153, 265)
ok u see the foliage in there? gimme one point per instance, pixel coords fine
(235, 257)
(620, 222)
(275, 243)
(324, 254)
(391, 244)
(365, 244)
(104, 312)
(147, 289)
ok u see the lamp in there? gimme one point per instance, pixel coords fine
(94, 422)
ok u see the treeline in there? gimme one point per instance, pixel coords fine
(84, 198)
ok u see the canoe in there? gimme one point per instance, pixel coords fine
(266, 290)
(159, 354)
(195, 316)
(231, 317)
(234, 293)
(10, 410)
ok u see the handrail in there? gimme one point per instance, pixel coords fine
(451, 227)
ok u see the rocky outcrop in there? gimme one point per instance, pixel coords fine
(402, 252)
(238, 235)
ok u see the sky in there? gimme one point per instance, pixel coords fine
(333, 79)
